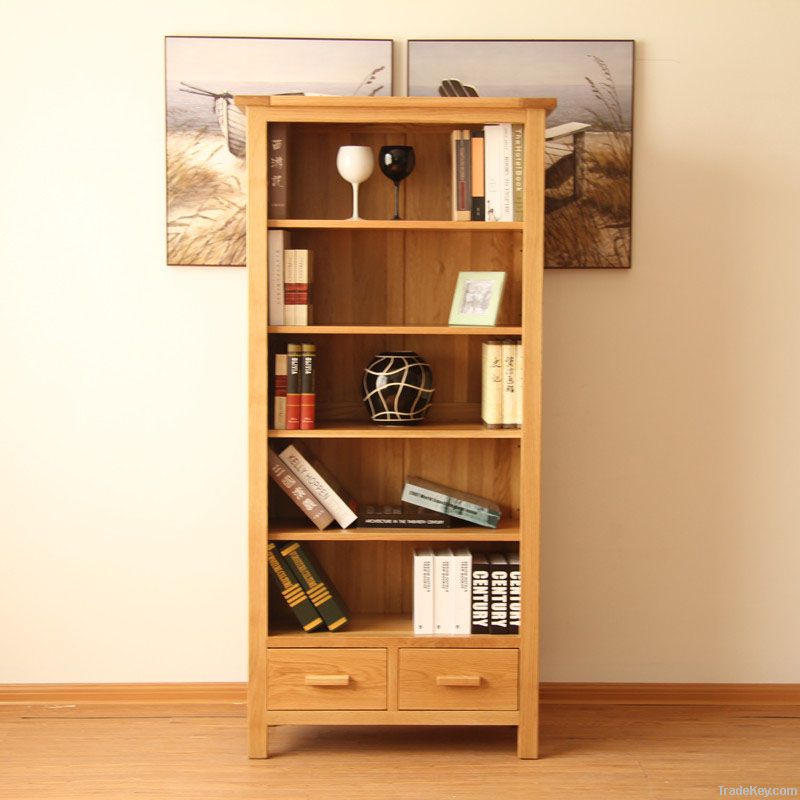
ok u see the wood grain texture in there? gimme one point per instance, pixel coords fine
(327, 679)
(458, 679)
(531, 450)
(193, 751)
(415, 104)
(257, 429)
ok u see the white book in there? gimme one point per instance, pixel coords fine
(443, 592)
(289, 278)
(492, 384)
(519, 382)
(499, 172)
(277, 242)
(509, 402)
(461, 577)
(423, 591)
(319, 485)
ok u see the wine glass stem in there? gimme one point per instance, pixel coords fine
(355, 202)
(397, 200)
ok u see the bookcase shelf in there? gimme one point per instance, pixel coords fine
(397, 330)
(506, 531)
(378, 285)
(368, 430)
(393, 225)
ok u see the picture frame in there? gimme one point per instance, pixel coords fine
(588, 137)
(477, 298)
(205, 131)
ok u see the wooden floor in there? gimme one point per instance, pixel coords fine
(197, 751)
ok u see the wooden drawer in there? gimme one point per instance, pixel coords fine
(326, 678)
(463, 679)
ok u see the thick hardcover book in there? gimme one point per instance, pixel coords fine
(293, 387)
(292, 592)
(278, 170)
(279, 404)
(518, 168)
(461, 575)
(445, 500)
(316, 584)
(492, 384)
(423, 591)
(509, 352)
(477, 175)
(443, 594)
(277, 242)
(308, 397)
(498, 173)
(294, 488)
(324, 486)
(302, 275)
(289, 287)
(498, 593)
(402, 516)
(480, 594)
(514, 592)
(463, 189)
(519, 382)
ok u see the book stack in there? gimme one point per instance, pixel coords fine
(403, 516)
(289, 278)
(295, 398)
(502, 378)
(453, 502)
(311, 487)
(488, 169)
(459, 592)
(306, 588)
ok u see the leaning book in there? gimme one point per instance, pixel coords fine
(463, 505)
(291, 591)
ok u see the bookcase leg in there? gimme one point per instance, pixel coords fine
(527, 741)
(257, 742)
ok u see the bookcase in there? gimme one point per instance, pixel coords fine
(385, 285)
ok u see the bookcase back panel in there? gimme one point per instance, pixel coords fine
(374, 471)
(405, 278)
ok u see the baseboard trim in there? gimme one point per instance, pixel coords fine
(672, 694)
(669, 694)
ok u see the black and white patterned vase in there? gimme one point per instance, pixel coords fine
(397, 388)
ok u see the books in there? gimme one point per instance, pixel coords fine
(423, 591)
(445, 500)
(316, 584)
(295, 398)
(320, 483)
(458, 592)
(298, 492)
(488, 166)
(277, 242)
(502, 383)
(291, 591)
(402, 516)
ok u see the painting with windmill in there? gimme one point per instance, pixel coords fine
(206, 132)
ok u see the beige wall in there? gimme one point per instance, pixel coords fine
(671, 437)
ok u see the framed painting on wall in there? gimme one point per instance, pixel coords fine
(205, 130)
(589, 137)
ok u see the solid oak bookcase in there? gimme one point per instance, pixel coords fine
(384, 285)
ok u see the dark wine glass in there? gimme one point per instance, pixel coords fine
(397, 162)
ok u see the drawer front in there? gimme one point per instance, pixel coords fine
(326, 679)
(460, 679)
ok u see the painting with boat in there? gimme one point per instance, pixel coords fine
(206, 131)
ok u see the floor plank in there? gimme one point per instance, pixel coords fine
(197, 751)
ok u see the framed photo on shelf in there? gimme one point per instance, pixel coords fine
(206, 131)
(477, 298)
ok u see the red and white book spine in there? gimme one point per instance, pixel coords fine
(308, 396)
(293, 387)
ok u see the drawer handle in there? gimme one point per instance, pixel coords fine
(327, 680)
(458, 680)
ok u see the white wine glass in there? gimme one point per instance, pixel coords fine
(355, 163)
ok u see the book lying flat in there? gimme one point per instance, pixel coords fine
(402, 516)
(454, 502)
